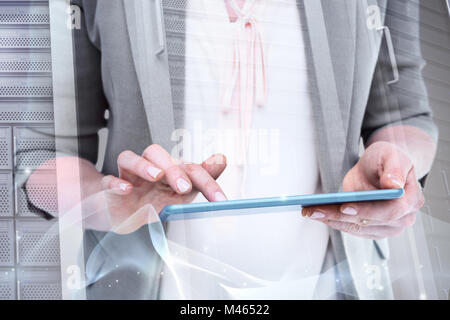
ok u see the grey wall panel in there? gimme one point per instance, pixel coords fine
(444, 131)
(437, 72)
(443, 152)
(26, 112)
(26, 141)
(7, 284)
(25, 62)
(24, 38)
(438, 92)
(5, 148)
(431, 5)
(6, 194)
(435, 38)
(38, 243)
(39, 284)
(34, 148)
(15, 87)
(30, 2)
(44, 185)
(7, 243)
(24, 14)
(440, 109)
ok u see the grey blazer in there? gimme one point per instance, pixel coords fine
(117, 69)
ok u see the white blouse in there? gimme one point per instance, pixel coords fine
(280, 157)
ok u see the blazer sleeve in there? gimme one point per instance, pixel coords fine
(90, 99)
(406, 101)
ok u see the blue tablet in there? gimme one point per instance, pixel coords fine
(203, 210)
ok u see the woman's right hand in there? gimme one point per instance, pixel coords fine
(156, 179)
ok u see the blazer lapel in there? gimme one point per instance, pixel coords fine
(151, 66)
(332, 100)
(341, 19)
(330, 127)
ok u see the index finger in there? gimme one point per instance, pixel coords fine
(204, 182)
(175, 177)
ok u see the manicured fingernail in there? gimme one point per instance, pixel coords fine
(219, 196)
(124, 187)
(153, 172)
(182, 185)
(395, 181)
(317, 215)
(350, 211)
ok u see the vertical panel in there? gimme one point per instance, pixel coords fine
(39, 284)
(5, 148)
(42, 189)
(34, 148)
(26, 141)
(38, 243)
(7, 284)
(435, 37)
(66, 125)
(6, 195)
(6, 243)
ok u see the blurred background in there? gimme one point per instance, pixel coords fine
(420, 261)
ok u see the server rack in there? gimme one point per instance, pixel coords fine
(29, 244)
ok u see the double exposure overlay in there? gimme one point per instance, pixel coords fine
(113, 110)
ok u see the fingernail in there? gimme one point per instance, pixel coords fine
(395, 181)
(350, 211)
(182, 185)
(317, 215)
(153, 172)
(219, 196)
(124, 186)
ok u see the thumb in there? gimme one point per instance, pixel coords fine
(394, 170)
